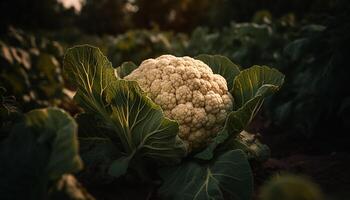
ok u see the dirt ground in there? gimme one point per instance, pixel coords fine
(326, 161)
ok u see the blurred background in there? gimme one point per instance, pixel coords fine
(306, 124)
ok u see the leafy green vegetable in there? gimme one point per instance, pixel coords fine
(60, 128)
(136, 124)
(30, 69)
(40, 148)
(255, 82)
(226, 177)
(118, 111)
(91, 72)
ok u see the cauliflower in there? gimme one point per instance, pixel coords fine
(189, 92)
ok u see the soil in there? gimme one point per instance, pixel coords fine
(324, 160)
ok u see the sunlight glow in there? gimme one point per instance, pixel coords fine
(76, 4)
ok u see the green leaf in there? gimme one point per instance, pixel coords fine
(91, 72)
(257, 81)
(221, 65)
(250, 88)
(57, 127)
(142, 126)
(40, 148)
(227, 177)
(125, 69)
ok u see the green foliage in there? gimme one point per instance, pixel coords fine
(41, 147)
(315, 99)
(311, 56)
(30, 69)
(139, 45)
(244, 43)
(227, 176)
(250, 87)
(136, 124)
(143, 125)
(255, 83)
(138, 137)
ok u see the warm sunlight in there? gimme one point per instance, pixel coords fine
(76, 4)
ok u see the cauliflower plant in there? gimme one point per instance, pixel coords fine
(189, 92)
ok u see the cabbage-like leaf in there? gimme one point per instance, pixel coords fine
(91, 72)
(126, 68)
(59, 128)
(257, 81)
(221, 65)
(250, 88)
(226, 177)
(41, 148)
(142, 125)
(135, 124)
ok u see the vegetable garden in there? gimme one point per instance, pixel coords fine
(246, 110)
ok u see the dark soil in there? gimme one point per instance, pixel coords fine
(324, 160)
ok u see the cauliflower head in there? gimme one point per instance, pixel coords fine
(189, 92)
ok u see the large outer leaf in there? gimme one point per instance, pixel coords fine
(142, 125)
(123, 108)
(87, 68)
(250, 88)
(227, 177)
(42, 147)
(221, 65)
(254, 82)
(56, 125)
